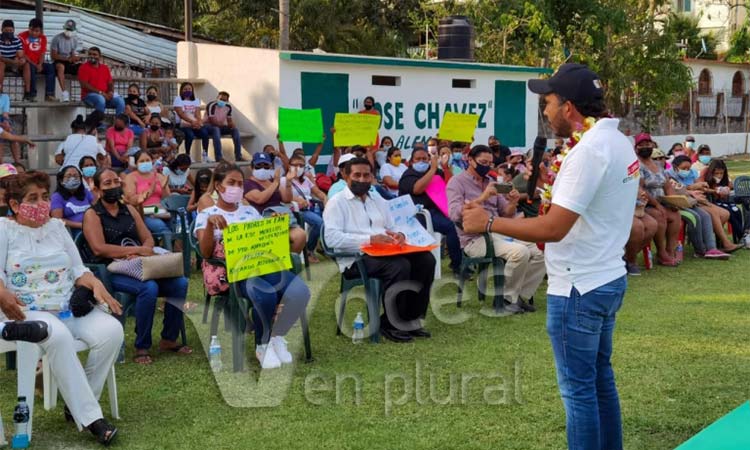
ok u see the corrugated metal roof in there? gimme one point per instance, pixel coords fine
(116, 41)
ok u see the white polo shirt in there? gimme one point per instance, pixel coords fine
(598, 181)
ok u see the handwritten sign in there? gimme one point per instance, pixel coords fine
(258, 247)
(458, 127)
(403, 211)
(300, 125)
(355, 129)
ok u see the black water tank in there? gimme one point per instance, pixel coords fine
(456, 39)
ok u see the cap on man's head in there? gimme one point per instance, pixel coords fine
(704, 148)
(70, 25)
(7, 169)
(574, 82)
(689, 139)
(643, 137)
(8, 23)
(261, 158)
(658, 153)
(345, 159)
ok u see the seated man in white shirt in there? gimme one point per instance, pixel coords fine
(356, 217)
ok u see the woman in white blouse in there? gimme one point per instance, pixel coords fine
(391, 172)
(39, 269)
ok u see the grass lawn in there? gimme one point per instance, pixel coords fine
(681, 359)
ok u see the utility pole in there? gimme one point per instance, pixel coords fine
(188, 20)
(39, 9)
(283, 24)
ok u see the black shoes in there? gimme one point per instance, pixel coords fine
(25, 330)
(527, 307)
(420, 333)
(397, 336)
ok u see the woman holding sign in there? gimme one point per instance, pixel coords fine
(281, 295)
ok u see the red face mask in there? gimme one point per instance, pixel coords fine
(37, 214)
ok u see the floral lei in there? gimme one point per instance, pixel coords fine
(581, 129)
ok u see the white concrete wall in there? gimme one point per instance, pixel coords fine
(721, 144)
(249, 75)
(721, 73)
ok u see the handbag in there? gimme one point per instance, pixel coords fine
(162, 265)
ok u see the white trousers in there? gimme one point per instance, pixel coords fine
(81, 386)
(524, 264)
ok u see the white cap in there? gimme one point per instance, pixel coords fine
(346, 158)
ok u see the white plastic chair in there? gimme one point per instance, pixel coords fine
(27, 356)
(438, 252)
(50, 385)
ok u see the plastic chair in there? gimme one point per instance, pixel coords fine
(742, 187)
(50, 385)
(176, 205)
(482, 264)
(27, 357)
(373, 289)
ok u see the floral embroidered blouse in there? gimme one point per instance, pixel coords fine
(39, 265)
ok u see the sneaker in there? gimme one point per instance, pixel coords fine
(633, 270)
(206, 159)
(279, 347)
(525, 306)
(715, 254)
(28, 97)
(65, 96)
(29, 331)
(267, 357)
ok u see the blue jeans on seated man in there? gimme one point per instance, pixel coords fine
(192, 133)
(49, 79)
(580, 328)
(99, 103)
(146, 293)
(216, 134)
(314, 220)
(283, 291)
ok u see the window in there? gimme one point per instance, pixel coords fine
(738, 84)
(704, 83)
(684, 5)
(466, 84)
(385, 80)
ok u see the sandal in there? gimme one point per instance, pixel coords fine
(104, 431)
(731, 249)
(667, 262)
(143, 358)
(167, 346)
(189, 307)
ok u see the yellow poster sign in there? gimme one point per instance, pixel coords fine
(258, 247)
(355, 129)
(458, 127)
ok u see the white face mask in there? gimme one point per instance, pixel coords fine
(717, 180)
(68, 34)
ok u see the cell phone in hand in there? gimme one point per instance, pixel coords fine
(503, 188)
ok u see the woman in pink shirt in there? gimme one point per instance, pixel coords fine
(120, 139)
(144, 188)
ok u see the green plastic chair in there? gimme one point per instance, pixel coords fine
(176, 205)
(373, 289)
(482, 264)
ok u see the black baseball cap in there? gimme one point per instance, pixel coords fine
(574, 82)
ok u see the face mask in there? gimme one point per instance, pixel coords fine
(481, 170)
(154, 127)
(684, 173)
(432, 150)
(396, 160)
(717, 180)
(33, 39)
(263, 174)
(179, 172)
(112, 195)
(368, 107)
(133, 96)
(71, 184)
(457, 156)
(679, 153)
(145, 167)
(7, 36)
(94, 61)
(4, 211)
(37, 214)
(704, 159)
(421, 166)
(387, 147)
(151, 97)
(68, 34)
(232, 194)
(645, 152)
(187, 94)
(690, 145)
(359, 188)
(221, 103)
(495, 147)
(89, 171)
(119, 128)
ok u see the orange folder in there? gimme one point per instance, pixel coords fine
(393, 249)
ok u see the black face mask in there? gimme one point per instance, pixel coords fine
(133, 97)
(151, 97)
(645, 152)
(481, 170)
(359, 188)
(118, 128)
(154, 127)
(112, 195)
(495, 148)
(368, 107)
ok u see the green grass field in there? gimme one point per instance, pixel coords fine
(681, 359)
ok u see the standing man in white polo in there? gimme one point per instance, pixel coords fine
(587, 227)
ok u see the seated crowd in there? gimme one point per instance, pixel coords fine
(108, 205)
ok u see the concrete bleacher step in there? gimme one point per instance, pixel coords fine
(47, 104)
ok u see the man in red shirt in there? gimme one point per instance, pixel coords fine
(97, 86)
(34, 46)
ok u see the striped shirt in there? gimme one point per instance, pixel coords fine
(9, 49)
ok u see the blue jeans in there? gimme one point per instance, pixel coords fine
(314, 220)
(444, 226)
(156, 225)
(580, 328)
(266, 293)
(146, 292)
(99, 103)
(216, 134)
(192, 133)
(49, 79)
(137, 129)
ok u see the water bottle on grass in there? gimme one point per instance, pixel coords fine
(358, 330)
(214, 354)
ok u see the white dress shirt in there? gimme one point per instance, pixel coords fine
(349, 223)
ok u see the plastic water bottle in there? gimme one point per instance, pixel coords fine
(648, 258)
(65, 315)
(21, 420)
(678, 252)
(214, 354)
(358, 330)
